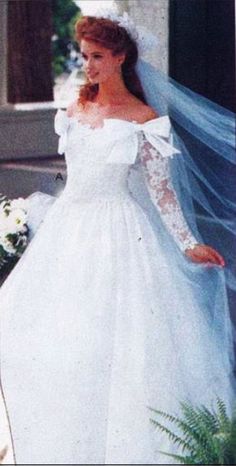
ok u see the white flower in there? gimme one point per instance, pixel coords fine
(144, 39)
(3, 215)
(19, 203)
(3, 220)
(15, 221)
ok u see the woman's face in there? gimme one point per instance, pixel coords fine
(99, 63)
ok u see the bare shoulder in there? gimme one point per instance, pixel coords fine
(72, 109)
(149, 113)
(144, 112)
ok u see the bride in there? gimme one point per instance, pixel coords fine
(116, 306)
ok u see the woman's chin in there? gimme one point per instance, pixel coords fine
(93, 79)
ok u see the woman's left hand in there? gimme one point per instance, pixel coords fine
(203, 254)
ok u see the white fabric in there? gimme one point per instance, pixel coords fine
(38, 205)
(204, 173)
(97, 321)
(158, 180)
(122, 141)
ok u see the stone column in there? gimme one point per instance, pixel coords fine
(123, 5)
(3, 53)
(154, 15)
(29, 51)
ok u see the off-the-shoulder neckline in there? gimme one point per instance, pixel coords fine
(121, 120)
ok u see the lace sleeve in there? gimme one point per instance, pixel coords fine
(158, 181)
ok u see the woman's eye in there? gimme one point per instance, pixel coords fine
(95, 56)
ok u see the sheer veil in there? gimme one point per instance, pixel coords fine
(204, 176)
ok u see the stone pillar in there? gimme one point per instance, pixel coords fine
(29, 51)
(123, 5)
(154, 15)
(3, 53)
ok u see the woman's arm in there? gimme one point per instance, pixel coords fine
(158, 181)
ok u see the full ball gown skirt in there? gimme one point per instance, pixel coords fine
(98, 325)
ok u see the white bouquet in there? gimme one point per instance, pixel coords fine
(14, 231)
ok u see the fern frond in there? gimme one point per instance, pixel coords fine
(211, 419)
(208, 436)
(172, 436)
(222, 416)
(198, 420)
(180, 458)
(190, 428)
(167, 416)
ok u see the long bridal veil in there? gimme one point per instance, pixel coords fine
(204, 177)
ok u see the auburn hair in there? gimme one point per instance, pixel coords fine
(111, 35)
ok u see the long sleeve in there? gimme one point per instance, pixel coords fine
(158, 181)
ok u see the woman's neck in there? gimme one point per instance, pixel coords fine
(111, 92)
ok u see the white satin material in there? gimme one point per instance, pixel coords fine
(117, 131)
(97, 321)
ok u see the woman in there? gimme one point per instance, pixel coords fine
(101, 318)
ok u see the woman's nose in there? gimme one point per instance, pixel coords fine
(88, 68)
(89, 63)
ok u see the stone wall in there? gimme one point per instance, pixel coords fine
(25, 132)
(154, 15)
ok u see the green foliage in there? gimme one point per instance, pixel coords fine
(207, 437)
(6, 266)
(65, 14)
(18, 240)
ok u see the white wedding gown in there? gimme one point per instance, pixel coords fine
(98, 322)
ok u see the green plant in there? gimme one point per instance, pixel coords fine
(206, 437)
(65, 14)
(14, 233)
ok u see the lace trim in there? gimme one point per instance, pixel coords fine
(158, 180)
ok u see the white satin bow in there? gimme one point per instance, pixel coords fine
(157, 132)
(61, 125)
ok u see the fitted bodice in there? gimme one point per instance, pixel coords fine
(98, 160)
(94, 181)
